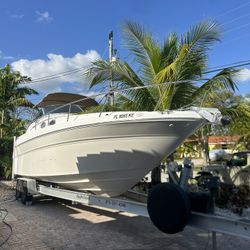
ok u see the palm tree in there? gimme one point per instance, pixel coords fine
(174, 68)
(180, 62)
(12, 95)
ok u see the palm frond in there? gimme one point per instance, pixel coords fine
(19, 102)
(126, 104)
(120, 72)
(221, 81)
(22, 91)
(201, 36)
(99, 72)
(238, 112)
(169, 50)
(182, 95)
(168, 73)
(102, 108)
(146, 51)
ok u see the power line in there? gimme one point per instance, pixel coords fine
(235, 19)
(219, 69)
(77, 70)
(64, 73)
(234, 39)
(147, 86)
(233, 9)
(61, 74)
(229, 65)
(237, 28)
(213, 69)
(152, 85)
(105, 51)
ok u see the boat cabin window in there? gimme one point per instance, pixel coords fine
(43, 124)
(52, 122)
(73, 109)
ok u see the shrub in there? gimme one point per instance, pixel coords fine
(6, 148)
(233, 197)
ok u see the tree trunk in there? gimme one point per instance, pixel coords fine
(205, 147)
(2, 118)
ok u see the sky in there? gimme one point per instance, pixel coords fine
(41, 38)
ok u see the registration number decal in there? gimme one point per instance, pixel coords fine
(122, 116)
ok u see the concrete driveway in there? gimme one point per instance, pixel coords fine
(57, 224)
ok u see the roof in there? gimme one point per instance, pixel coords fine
(223, 139)
(64, 98)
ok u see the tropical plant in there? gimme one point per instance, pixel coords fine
(13, 94)
(238, 109)
(241, 121)
(174, 69)
(6, 145)
(235, 198)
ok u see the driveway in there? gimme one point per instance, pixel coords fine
(57, 224)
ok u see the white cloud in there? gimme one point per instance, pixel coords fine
(54, 65)
(17, 16)
(44, 17)
(243, 75)
(4, 57)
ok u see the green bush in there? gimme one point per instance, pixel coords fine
(6, 149)
(234, 198)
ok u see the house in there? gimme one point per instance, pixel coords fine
(223, 142)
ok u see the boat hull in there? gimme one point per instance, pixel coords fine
(106, 158)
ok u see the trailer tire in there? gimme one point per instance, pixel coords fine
(18, 193)
(24, 195)
(169, 208)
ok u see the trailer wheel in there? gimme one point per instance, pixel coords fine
(18, 193)
(25, 197)
(169, 208)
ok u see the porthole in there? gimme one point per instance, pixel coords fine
(52, 122)
(43, 124)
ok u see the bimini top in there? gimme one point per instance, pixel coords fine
(57, 99)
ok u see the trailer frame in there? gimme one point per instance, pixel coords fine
(209, 222)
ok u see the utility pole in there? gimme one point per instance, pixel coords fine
(111, 87)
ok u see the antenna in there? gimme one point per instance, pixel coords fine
(111, 94)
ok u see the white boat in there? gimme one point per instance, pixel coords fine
(103, 153)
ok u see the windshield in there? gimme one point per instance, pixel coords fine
(56, 109)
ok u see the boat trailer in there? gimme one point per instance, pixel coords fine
(27, 188)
